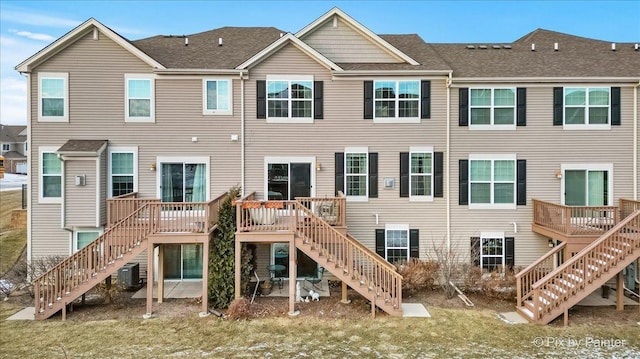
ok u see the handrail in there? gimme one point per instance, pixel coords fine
(587, 265)
(627, 206)
(574, 220)
(534, 272)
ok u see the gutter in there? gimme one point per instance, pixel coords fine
(198, 72)
(368, 73)
(447, 157)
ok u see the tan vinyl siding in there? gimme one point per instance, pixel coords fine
(343, 126)
(79, 201)
(344, 44)
(546, 148)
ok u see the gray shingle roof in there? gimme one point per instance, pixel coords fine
(80, 147)
(576, 57)
(11, 134)
(203, 52)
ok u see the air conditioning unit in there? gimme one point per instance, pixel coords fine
(129, 275)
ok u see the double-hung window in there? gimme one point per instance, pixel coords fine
(122, 171)
(492, 181)
(396, 243)
(290, 98)
(492, 107)
(586, 106)
(139, 98)
(50, 176)
(216, 96)
(6, 147)
(396, 100)
(356, 170)
(84, 236)
(421, 174)
(53, 97)
(492, 251)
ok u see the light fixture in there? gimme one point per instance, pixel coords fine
(551, 244)
(152, 166)
(318, 166)
(558, 174)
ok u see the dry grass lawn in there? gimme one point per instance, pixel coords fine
(11, 242)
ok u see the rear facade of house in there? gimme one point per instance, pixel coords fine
(430, 145)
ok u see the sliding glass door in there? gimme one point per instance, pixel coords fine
(586, 188)
(183, 182)
(182, 261)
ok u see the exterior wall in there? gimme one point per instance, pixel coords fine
(546, 148)
(343, 44)
(343, 125)
(80, 201)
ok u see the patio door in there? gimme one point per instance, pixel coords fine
(182, 262)
(287, 179)
(586, 187)
(307, 267)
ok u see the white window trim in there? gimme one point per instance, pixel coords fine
(413, 198)
(493, 157)
(54, 75)
(397, 227)
(492, 126)
(133, 150)
(588, 167)
(288, 159)
(48, 200)
(397, 119)
(182, 159)
(152, 112)
(209, 112)
(289, 78)
(492, 235)
(7, 146)
(364, 198)
(586, 125)
(74, 236)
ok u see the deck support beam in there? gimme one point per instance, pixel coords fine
(205, 276)
(620, 292)
(160, 273)
(149, 280)
(292, 276)
(238, 269)
(344, 300)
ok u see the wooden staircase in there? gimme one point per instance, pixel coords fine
(545, 292)
(350, 261)
(83, 270)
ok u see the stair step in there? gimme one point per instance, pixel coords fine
(524, 310)
(575, 277)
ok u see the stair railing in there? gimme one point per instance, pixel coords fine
(587, 265)
(536, 271)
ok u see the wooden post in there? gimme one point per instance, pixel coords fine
(205, 276)
(566, 317)
(620, 292)
(344, 300)
(238, 268)
(373, 305)
(107, 284)
(149, 279)
(160, 273)
(292, 276)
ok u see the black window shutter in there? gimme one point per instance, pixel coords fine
(339, 165)
(464, 107)
(509, 252)
(404, 174)
(558, 104)
(380, 243)
(425, 101)
(521, 116)
(464, 182)
(414, 243)
(521, 190)
(318, 93)
(373, 175)
(368, 100)
(438, 170)
(261, 96)
(475, 251)
(615, 106)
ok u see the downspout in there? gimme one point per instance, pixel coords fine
(29, 171)
(635, 141)
(242, 143)
(446, 162)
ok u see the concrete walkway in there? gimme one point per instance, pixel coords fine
(173, 289)
(25, 314)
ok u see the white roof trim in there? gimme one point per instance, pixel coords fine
(359, 27)
(278, 44)
(72, 35)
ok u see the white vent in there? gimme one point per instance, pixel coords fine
(636, 47)
(219, 41)
(533, 47)
(555, 46)
(186, 41)
(81, 180)
(613, 46)
(484, 47)
(496, 47)
(508, 47)
(470, 47)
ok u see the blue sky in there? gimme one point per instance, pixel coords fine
(28, 26)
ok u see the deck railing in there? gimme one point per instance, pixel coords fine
(586, 266)
(536, 271)
(574, 220)
(332, 210)
(628, 206)
(120, 207)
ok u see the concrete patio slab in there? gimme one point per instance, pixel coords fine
(320, 288)
(173, 289)
(595, 300)
(25, 314)
(512, 318)
(414, 310)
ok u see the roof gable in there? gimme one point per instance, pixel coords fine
(77, 33)
(317, 34)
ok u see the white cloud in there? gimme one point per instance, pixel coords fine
(33, 36)
(13, 92)
(29, 18)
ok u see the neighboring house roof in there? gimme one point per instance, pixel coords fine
(12, 134)
(75, 34)
(203, 50)
(82, 147)
(13, 155)
(576, 57)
